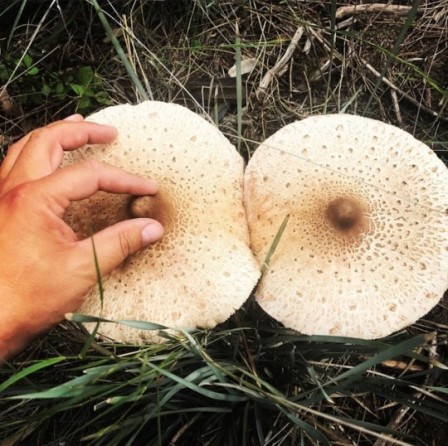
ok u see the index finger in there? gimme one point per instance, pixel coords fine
(15, 149)
(83, 179)
(43, 151)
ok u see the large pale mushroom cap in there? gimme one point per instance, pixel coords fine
(365, 250)
(202, 270)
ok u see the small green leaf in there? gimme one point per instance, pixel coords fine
(46, 90)
(4, 72)
(59, 89)
(84, 76)
(102, 98)
(89, 92)
(32, 71)
(78, 89)
(84, 102)
(27, 60)
(196, 45)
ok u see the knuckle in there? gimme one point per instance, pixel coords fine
(91, 165)
(40, 133)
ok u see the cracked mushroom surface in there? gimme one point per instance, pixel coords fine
(202, 270)
(365, 249)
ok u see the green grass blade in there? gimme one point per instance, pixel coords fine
(16, 21)
(403, 348)
(274, 245)
(208, 393)
(91, 338)
(439, 389)
(141, 325)
(120, 52)
(30, 370)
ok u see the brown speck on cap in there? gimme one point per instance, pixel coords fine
(179, 281)
(367, 230)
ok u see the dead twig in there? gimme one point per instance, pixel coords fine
(182, 430)
(396, 105)
(408, 97)
(345, 11)
(278, 67)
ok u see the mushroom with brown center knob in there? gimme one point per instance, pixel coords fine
(156, 207)
(365, 249)
(202, 270)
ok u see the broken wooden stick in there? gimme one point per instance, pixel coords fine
(345, 11)
(408, 97)
(278, 67)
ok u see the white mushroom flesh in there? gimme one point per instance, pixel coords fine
(365, 249)
(202, 270)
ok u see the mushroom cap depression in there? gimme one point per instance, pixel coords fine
(365, 250)
(202, 270)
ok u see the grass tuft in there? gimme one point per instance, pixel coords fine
(199, 386)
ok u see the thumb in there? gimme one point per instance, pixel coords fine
(115, 243)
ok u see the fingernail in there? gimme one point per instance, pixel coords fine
(152, 232)
(75, 117)
(112, 127)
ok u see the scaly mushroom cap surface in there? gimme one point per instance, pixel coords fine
(202, 270)
(365, 249)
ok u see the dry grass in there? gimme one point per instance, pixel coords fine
(182, 53)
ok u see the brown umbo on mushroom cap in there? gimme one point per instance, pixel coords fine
(365, 249)
(202, 270)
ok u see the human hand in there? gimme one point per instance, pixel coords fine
(44, 270)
